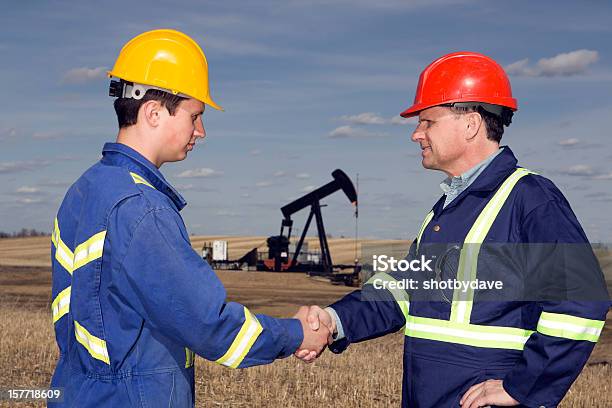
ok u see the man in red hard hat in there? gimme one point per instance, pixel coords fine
(466, 344)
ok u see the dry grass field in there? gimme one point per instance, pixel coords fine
(367, 375)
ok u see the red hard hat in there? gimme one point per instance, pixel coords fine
(462, 77)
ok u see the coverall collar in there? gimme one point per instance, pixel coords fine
(122, 155)
(491, 177)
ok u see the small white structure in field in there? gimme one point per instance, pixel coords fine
(219, 252)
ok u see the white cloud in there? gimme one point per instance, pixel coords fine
(84, 74)
(199, 173)
(603, 176)
(16, 167)
(398, 120)
(569, 142)
(302, 175)
(28, 190)
(263, 184)
(565, 64)
(579, 170)
(307, 189)
(255, 152)
(51, 134)
(371, 118)
(28, 200)
(279, 173)
(347, 131)
(365, 118)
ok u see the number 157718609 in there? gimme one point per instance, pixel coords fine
(25, 394)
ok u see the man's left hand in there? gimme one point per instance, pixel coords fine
(490, 392)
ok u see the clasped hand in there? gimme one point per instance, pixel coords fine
(319, 328)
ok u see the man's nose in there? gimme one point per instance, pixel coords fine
(199, 130)
(417, 135)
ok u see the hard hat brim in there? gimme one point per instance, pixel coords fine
(208, 101)
(416, 108)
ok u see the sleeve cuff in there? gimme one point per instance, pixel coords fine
(339, 335)
(294, 335)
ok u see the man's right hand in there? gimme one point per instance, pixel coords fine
(318, 321)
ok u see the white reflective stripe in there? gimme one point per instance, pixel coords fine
(94, 345)
(485, 219)
(138, 179)
(89, 250)
(86, 252)
(570, 327)
(463, 300)
(61, 304)
(243, 342)
(400, 295)
(467, 334)
(423, 226)
(63, 254)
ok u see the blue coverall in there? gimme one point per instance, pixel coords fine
(133, 302)
(537, 348)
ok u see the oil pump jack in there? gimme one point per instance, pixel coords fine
(278, 245)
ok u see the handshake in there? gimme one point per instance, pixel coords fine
(319, 329)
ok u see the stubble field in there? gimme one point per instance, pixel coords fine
(366, 375)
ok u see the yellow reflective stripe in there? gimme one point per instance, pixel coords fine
(89, 250)
(570, 327)
(94, 345)
(423, 226)
(140, 180)
(189, 358)
(400, 295)
(84, 253)
(61, 304)
(463, 300)
(243, 342)
(63, 254)
(511, 338)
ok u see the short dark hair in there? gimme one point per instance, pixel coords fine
(494, 124)
(127, 108)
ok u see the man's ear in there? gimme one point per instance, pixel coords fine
(150, 112)
(473, 124)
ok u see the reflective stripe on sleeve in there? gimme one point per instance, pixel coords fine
(423, 226)
(138, 179)
(468, 334)
(89, 250)
(86, 252)
(63, 254)
(189, 358)
(61, 304)
(94, 345)
(400, 295)
(570, 327)
(250, 330)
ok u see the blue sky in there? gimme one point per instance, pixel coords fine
(308, 86)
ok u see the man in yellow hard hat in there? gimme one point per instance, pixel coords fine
(132, 301)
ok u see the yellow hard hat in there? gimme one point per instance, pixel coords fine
(163, 59)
